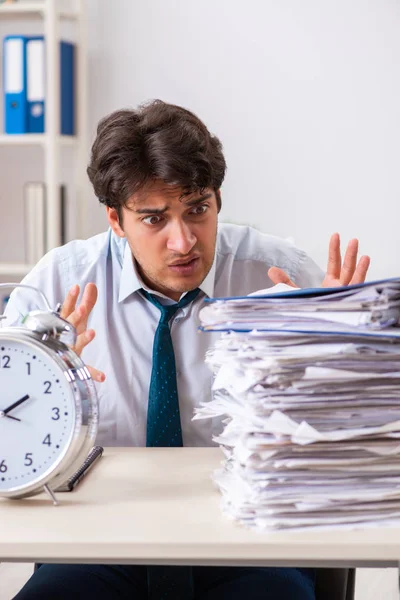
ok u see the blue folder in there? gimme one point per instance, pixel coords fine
(24, 85)
(67, 88)
(14, 84)
(37, 107)
(35, 83)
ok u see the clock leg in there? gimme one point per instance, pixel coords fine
(51, 494)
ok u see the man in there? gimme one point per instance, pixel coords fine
(159, 171)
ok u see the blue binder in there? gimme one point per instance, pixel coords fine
(14, 84)
(36, 101)
(67, 88)
(24, 85)
(35, 83)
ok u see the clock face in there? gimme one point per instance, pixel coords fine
(37, 413)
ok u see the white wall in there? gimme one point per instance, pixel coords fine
(305, 97)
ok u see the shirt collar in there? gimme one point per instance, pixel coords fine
(131, 281)
(207, 286)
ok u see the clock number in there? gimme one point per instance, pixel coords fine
(5, 362)
(48, 388)
(28, 459)
(57, 414)
(3, 466)
(47, 440)
(29, 368)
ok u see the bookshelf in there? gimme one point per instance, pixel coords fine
(51, 13)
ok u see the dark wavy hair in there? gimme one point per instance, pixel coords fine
(158, 141)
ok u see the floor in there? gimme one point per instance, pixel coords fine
(371, 584)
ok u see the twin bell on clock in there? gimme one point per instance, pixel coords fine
(48, 404)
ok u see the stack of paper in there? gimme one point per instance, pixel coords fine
(308, 383)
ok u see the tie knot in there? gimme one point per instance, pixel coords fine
(168, 310)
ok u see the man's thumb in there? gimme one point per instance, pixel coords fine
(277, 275)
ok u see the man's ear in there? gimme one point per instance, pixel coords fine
(113, 219)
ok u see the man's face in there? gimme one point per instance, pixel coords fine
(172, 237)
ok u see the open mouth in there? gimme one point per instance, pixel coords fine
(186, 267)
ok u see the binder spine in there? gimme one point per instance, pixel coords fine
(35, 221)
(67, 88)
(35, 58)
(14, 85)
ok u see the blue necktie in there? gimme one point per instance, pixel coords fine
(163, 418)
(164, 429)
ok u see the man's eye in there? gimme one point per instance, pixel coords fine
(152, 220)
(200, 210)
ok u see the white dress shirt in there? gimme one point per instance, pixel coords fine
(125, 323)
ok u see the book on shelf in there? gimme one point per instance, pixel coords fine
(35, 220)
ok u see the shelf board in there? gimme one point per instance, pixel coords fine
(33, 9)
(14, 268)
(18, 8)
(30, 139)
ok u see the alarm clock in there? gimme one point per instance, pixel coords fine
(48, 406)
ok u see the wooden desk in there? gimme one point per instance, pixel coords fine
(157, 505)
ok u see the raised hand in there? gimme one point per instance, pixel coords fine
(348, 273)
(337, 274)
(78, 317)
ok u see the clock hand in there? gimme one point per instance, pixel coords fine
(9, 417)
(2, 414)
(17, 403)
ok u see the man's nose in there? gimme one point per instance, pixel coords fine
(181, 239)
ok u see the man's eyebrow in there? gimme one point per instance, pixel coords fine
(195, 201)
(160, 211)
(150, 211)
